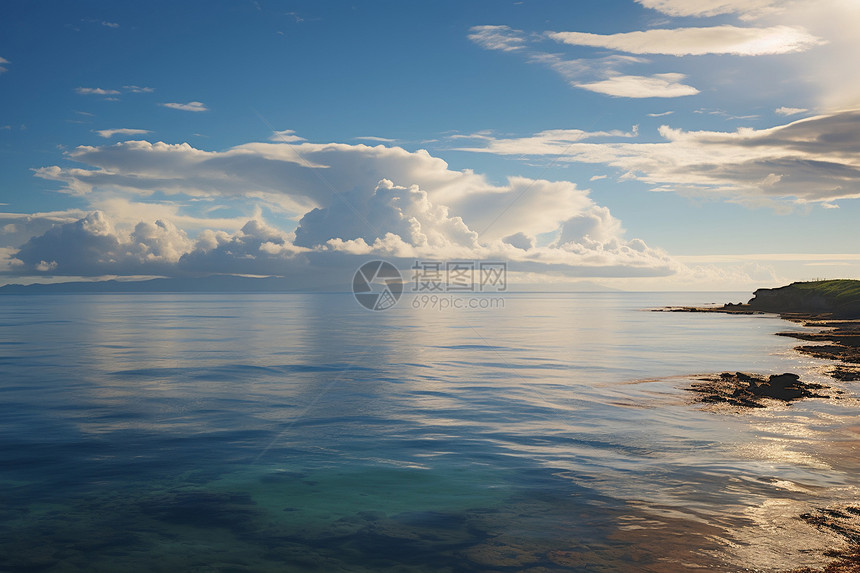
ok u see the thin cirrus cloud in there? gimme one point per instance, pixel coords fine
(113, 92)
(285, 136)
(108, 133)
(790, 110)
(600, 74)
(2, 66)
(609, 75)
(816, 159)
(548, 142)
(190, 106)
(698, 41)
(96, 91)
(375, 138)
(501, 38)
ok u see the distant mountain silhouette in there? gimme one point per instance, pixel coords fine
(217, 283)
(238, 284)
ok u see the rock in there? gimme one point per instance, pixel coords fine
(749, 391)
(783, 380)
(844, 374)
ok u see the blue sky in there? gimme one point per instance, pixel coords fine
(646, 145)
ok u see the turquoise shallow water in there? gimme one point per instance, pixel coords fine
(304, 433)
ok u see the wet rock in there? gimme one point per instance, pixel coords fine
(751, 391)
(845, 374)
(839, 340)
(843, 521)
(725, 309)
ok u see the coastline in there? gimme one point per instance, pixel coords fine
(834, 329)
(836, 339)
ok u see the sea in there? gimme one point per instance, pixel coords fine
(302, 432)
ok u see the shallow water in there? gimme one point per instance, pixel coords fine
(304, 433)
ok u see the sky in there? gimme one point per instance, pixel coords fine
(631, 144)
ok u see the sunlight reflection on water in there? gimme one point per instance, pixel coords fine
(302, 431)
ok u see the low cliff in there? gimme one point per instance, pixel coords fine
(841, 298)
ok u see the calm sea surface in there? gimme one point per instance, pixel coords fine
(304, 433)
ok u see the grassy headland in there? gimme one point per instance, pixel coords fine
(837, 298)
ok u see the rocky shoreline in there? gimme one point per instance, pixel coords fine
(832, 309)
(837, 339)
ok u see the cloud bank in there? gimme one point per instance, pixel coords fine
(349, 202)
(816, 159)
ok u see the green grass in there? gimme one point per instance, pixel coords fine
(842, 292)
